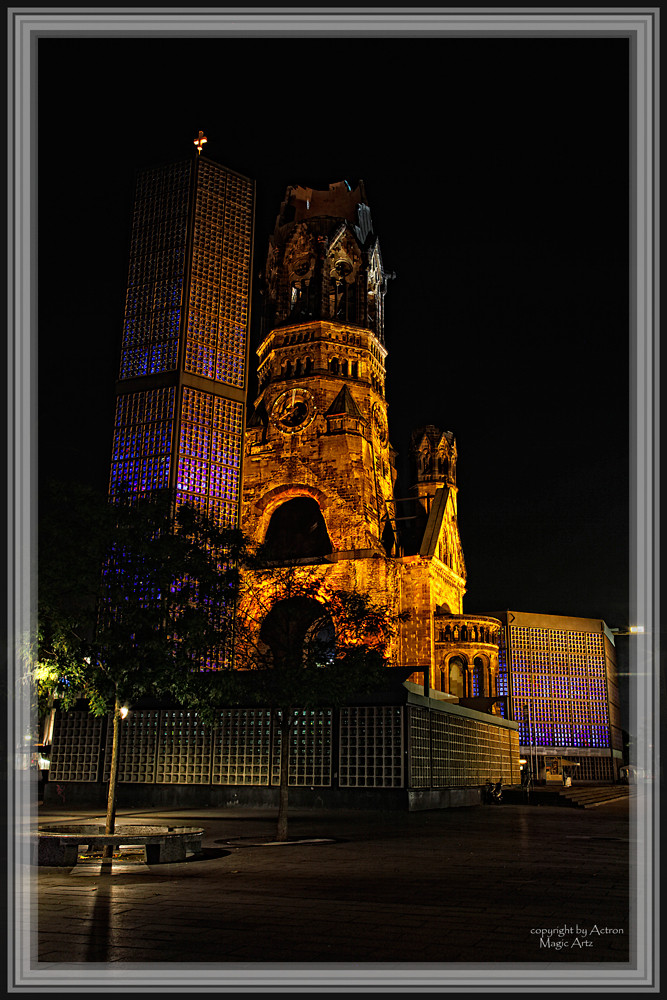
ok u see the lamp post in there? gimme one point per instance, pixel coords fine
(120, 713)
(630, 630)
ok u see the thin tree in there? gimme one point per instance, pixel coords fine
(302, 644)
(136, 598)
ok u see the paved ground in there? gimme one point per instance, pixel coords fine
(490, 884)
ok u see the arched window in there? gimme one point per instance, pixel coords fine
(297, 531)
(456, 671)
(297, 366)
(480, 681)
(334, 366)
(355, 369)
(288, 369)
(309, 365)
(343, 368)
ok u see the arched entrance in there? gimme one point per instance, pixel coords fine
(299, 632)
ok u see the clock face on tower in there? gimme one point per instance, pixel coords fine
(293, 410)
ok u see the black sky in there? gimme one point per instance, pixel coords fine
(497, 174)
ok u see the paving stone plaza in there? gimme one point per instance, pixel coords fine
(511, 891)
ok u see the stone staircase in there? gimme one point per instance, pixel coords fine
(587, 797)
(577, 797)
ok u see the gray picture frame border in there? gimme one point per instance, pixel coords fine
(641, 27)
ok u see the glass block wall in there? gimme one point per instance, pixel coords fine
(138, 746)
(157, 271)
(242, 747)
(448, 750)
(184, 749)
(141, 456)
(209, 454)
(76, 747)
(181, 393)
(219, 290)
(310, 749)
(371, 747)
(559, 687)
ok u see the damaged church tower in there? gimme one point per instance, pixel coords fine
(319, 470)
(317, 440)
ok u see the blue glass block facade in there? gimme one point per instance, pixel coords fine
(183, 370)
(156, 273)
(560, 676)
(558, 687)
(209, 454)
(142, 446)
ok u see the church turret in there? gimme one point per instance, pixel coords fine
(433, 465)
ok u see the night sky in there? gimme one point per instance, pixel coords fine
(496, 173)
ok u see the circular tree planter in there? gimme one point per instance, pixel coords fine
(59, 846)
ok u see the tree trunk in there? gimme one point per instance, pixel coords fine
(285, 734)
(111, 797)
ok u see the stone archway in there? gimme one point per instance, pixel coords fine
(297, 531)
(299, 631)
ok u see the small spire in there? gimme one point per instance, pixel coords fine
(199, 142)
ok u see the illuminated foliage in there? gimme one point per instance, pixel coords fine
(135, 597)
(305, 642)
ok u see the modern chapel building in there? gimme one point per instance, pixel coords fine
(560, 677)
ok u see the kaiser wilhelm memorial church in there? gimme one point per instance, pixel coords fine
(308, 470)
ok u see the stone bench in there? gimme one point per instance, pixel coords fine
(59, 846)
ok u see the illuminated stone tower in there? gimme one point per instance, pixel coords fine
(180, 397)
(319, 469)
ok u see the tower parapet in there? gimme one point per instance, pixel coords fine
(433, 458)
